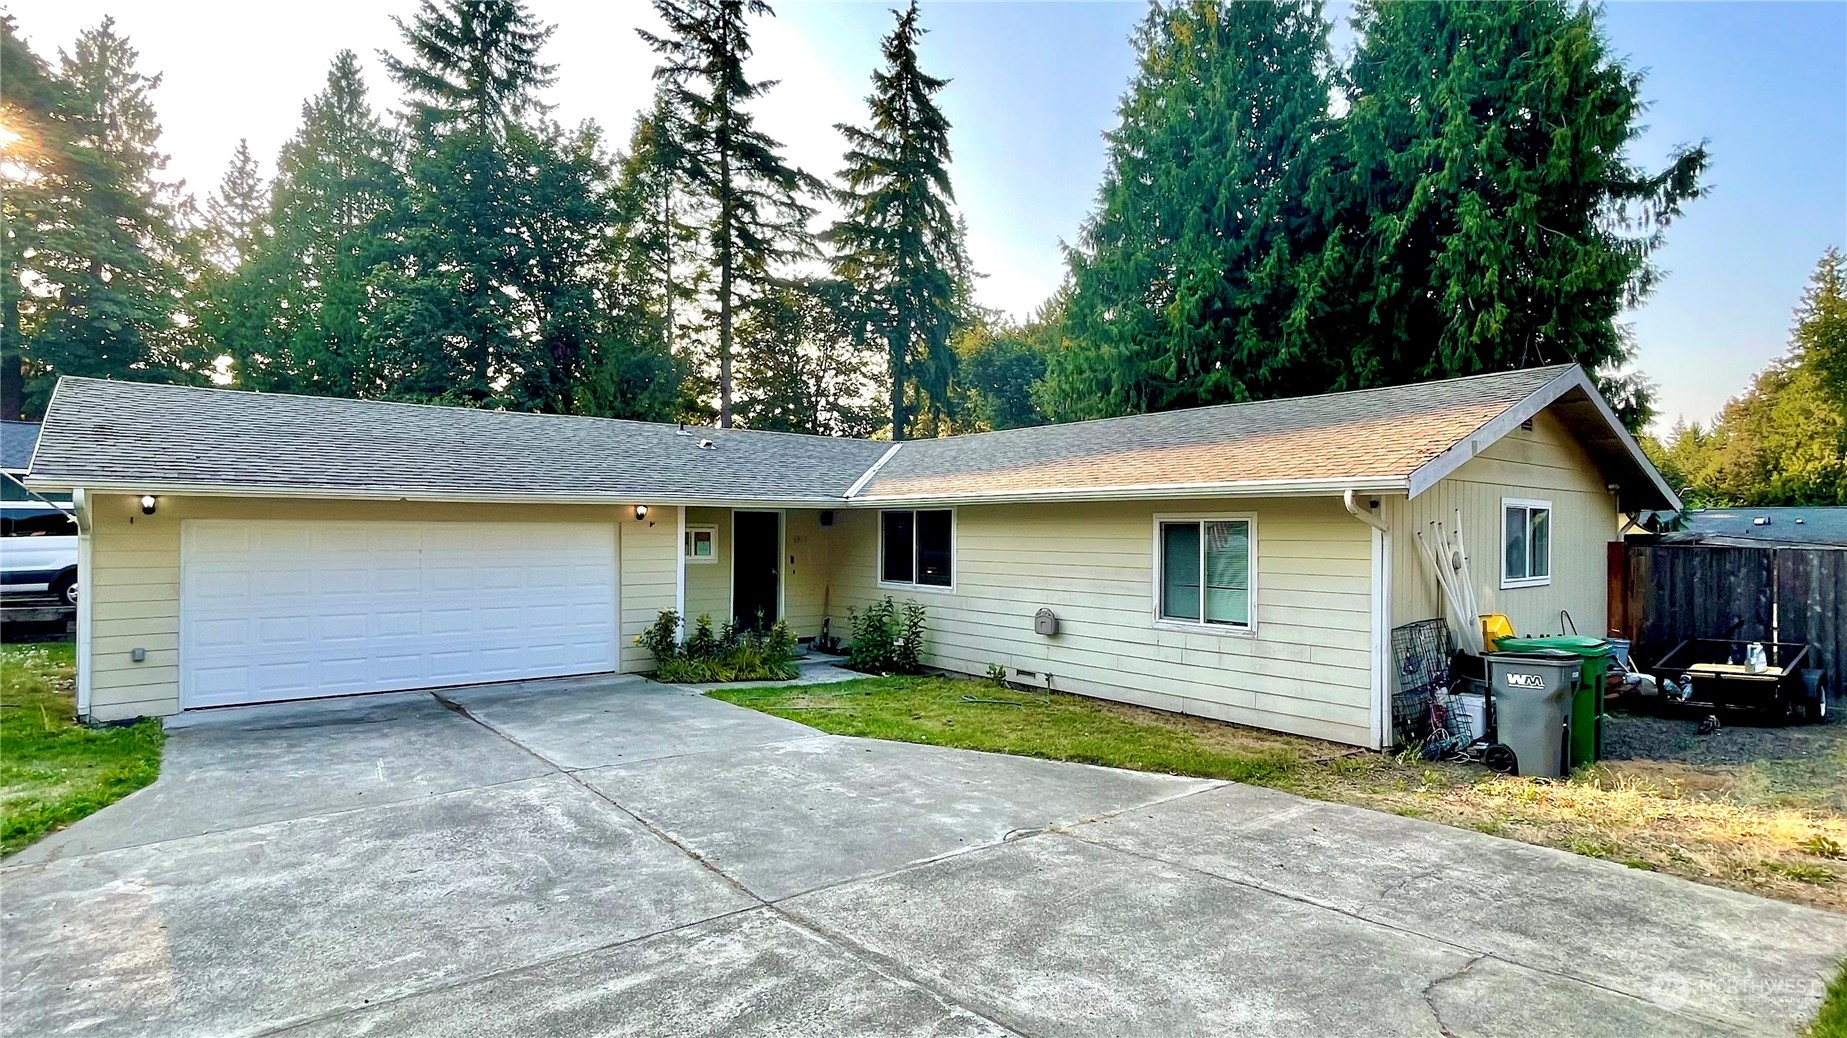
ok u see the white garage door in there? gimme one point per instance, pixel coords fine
(275, 610)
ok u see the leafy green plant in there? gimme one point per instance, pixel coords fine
(727, 654)
(997, 675)
(887, 638)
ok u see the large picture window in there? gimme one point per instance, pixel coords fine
(1526, 536)
(917, 547)
(1204, 572)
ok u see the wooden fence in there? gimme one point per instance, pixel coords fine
(1662, 594)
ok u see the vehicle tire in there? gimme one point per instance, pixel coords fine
(65, 589)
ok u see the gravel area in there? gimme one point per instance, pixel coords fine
(1737, 742)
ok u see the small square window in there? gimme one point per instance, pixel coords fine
(701, 544)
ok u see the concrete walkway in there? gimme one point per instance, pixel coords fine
(611, 857)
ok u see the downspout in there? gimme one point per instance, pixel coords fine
(1381, 619)
(80, 507)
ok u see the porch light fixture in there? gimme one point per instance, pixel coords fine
(148, 503)
(641, 512)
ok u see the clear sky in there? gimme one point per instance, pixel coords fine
(1035, 85)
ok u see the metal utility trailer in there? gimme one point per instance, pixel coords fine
(1712, 672)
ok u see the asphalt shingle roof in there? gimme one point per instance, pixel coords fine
(1386, 433)
(16, 442)
(101, 431)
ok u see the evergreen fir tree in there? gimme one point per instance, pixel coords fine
(112, 262)
(899, 242)
(1186, 286)
(34, 163)
(756, 218)
(1488, 216)
(304, 288)
(235, 212)
(473, 64)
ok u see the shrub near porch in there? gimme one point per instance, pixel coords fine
(727, 654)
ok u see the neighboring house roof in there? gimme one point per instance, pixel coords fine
(142, 437)
(131, 434)
(16, 442)
(1823, 526)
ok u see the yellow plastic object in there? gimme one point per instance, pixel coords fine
(1494, 627)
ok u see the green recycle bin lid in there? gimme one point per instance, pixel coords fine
(1576, 644)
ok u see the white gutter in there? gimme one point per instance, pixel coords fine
(1381, 590)
(860, 483)
(1160, 491)
(324, 493)
(1364, 515)
(80, 506)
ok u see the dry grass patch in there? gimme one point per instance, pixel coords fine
(1693, 829)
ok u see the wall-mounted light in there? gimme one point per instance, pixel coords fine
(148, 504)
(641, 512)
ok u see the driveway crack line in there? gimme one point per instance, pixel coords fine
(1430, 993)
(1742, 1026)
(877, 963)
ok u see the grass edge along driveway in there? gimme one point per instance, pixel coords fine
(1775, 847)
(54, 771)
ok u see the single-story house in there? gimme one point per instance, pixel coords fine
(1243, 562)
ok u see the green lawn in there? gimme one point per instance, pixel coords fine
(1832, 1023)
(53, 770)
(976, 716)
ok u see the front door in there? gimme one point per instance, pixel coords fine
(756, 563)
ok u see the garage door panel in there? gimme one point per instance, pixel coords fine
(283, 609)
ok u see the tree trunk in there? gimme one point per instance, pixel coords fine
(725, 260)
(12, 374)
(895, 347)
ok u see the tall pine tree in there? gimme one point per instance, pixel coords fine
(1186, 286)
(659, 270)
(1489, 217)
(898, 241)
(756, 217)
(111, 262)
(306, 283)
(492, 297)
(33, 149)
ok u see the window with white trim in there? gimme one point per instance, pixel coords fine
(1526, 543)
(702, 544)
(917, 547)
(1203, 572)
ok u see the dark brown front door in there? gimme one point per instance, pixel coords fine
(755, 565)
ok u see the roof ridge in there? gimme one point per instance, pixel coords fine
(1557, 368)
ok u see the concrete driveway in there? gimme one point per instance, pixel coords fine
(611, 857)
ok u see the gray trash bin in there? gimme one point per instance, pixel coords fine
(1532, 691)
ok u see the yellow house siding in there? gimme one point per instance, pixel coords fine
(133, 584)
(1306, 669)
(649, 571)
(804, 596)
(1544, 463)
(804, 580)
(708, 584)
